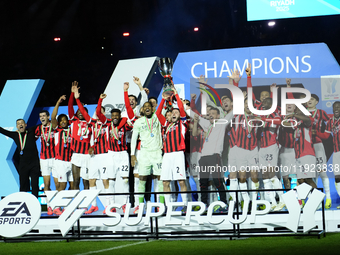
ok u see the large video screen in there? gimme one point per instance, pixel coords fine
(283, 9)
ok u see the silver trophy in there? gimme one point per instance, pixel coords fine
(165, 66)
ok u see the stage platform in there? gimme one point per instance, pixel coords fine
(98, 226)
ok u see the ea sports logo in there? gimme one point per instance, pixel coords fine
(19, 213)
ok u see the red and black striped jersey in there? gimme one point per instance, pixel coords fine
(257, 104)
(175, 131)
(246, 136)
(196, 142)
(117, 140)
(334, 126)
(100, 133)
(319, 117)
(175, 136)
(232, 137)
(187, 137)
(286, 137)
(269, 132)
(81, 135)
(62, 140)
(46, 135)
(303, 145)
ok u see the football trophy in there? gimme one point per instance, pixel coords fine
(165, 66)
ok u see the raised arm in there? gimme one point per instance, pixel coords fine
(182, 112)
(193, 104)
(128, 107)
(159, 114)
(235, 77)
(55, 111)
(195, 127)
(99, 114)
(201, 82)
(81, 107)
(71, 99)
(249, 85)
(289, 94)
(205, 124)
(7, 133)
(144, 97)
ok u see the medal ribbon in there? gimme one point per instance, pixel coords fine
(49, 133)
(82, 134)
(146, 120)
(22, 143)
(314, 113)
(65, 138)
(209, 131)
(96, 134)
(169, 127)
(115, 134)
(297, 130)
(248, 127)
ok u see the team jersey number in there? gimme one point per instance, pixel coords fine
(269, 157)
(85, 136)
(125, 168)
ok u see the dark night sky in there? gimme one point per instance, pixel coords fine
(165, 28)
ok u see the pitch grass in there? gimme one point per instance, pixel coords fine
(254, 245)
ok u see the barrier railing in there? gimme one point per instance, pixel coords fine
(151, 224)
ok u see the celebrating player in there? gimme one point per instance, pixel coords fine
(148, 128)
(81, 138)
(45, 132)
(117, 141)
(174, 146)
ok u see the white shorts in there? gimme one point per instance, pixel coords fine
(336, 163)
(305, 167)
(232, 159)
(173, 166)
(187, 162)
(63, 171)
(98, 166)
(247, 160)
(46, 167)
(135, 169)
(320, 155)
(194, 158)
(268, 156)
(150, 160)
(119, 162)
(286, 160)
(82, 161)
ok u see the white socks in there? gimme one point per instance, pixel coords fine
(254, 186)
(276, 183)
(243, 186)
(269, 195)
(233, 186)
(94, 203)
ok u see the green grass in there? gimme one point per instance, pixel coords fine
(254, 245)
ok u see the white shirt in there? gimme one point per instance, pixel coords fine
(136, 111)
(213, 144)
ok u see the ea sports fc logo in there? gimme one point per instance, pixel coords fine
(19, 213)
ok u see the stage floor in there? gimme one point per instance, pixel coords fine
(98, 225)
